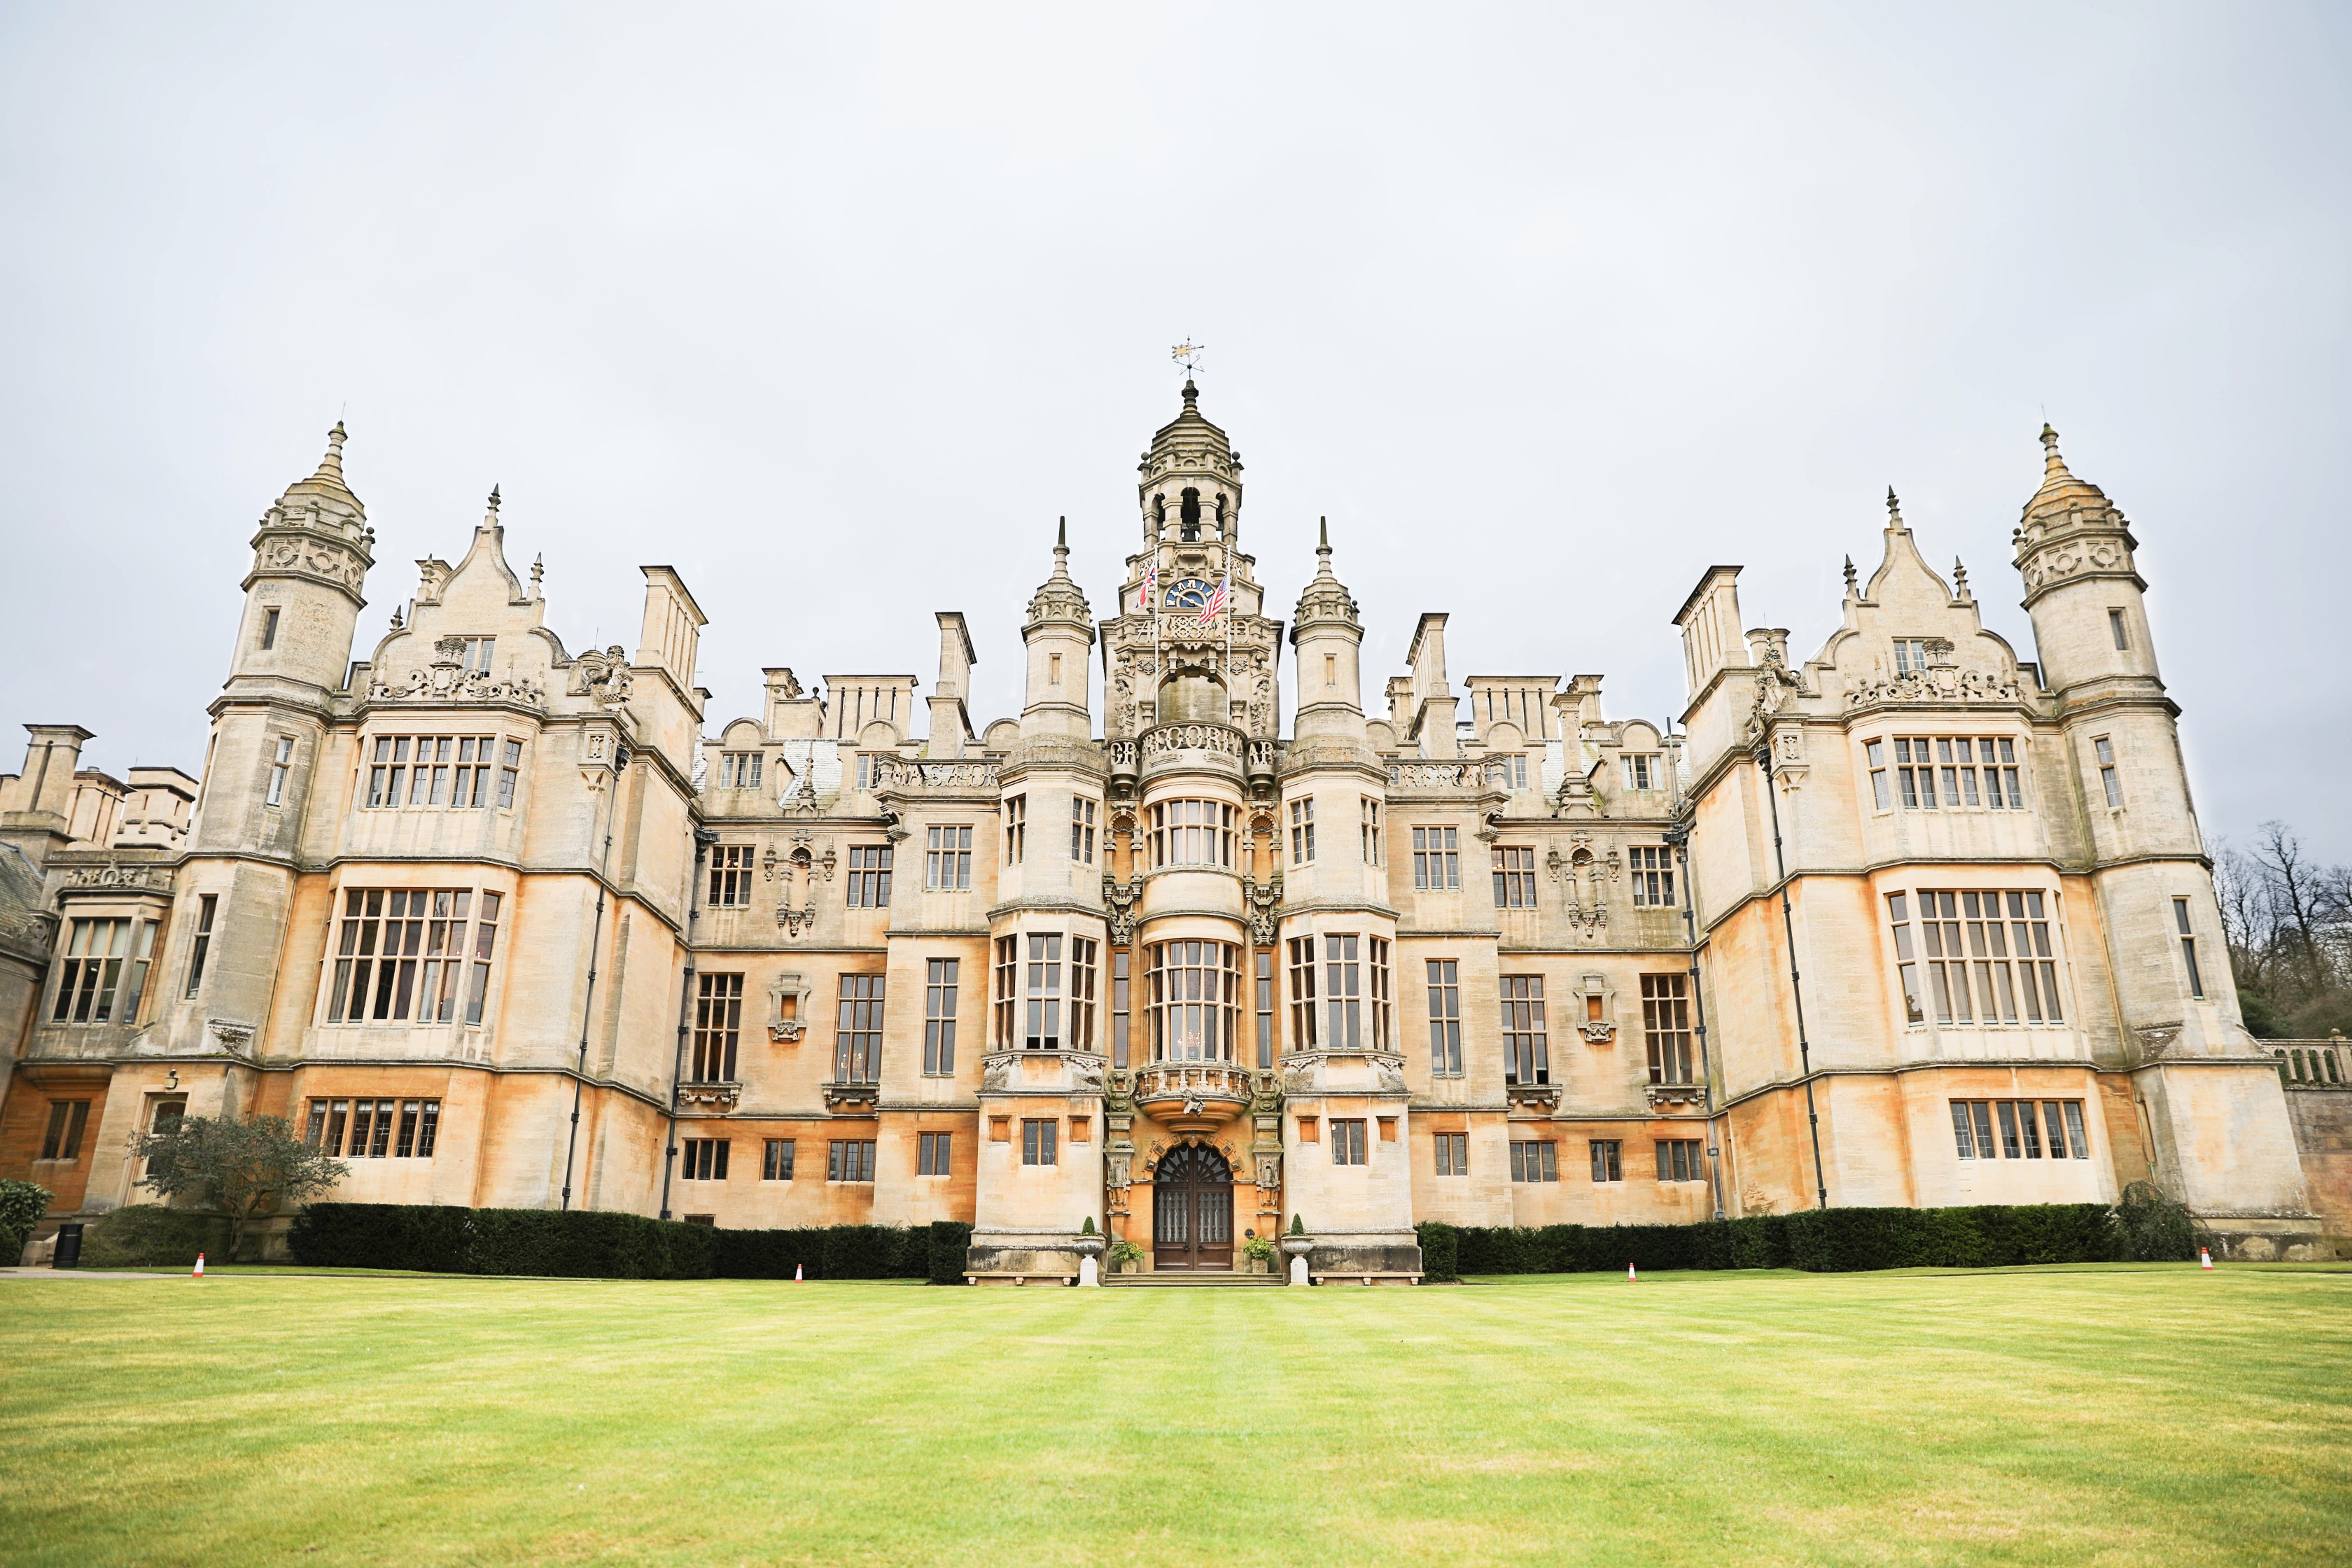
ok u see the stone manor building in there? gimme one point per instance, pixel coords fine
(1913, 922)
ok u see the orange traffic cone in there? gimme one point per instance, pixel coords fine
(797, 1274)
(200, 1267)
(1631, 1277)
(2204, 1257)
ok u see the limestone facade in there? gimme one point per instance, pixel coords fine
(510, 924)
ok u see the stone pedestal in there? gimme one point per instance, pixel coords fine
(1086, 1272)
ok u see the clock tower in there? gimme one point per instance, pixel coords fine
(1192, 653)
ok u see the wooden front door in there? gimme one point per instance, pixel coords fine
(1193, 1211)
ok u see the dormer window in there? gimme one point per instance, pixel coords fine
(1910, 655)
(1641, 770)
(475, 659)
(738, 770)
(1189, 520)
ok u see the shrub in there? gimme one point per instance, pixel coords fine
(949, 1242)
(1990, 1235)
(22, 1205)
(2153, 1227)
(433, 1237)
(245, 1166)
(870, 1252)
(1440, 1250)
(767, 1254)
(149, 1235)
(570, 1244)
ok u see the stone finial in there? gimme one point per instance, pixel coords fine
(1323, 538)
(1959, 579)
(1062, 539)
(494, 500)
(1893, 510)
(537, 569)
(395, 618)
(2053, 464)
(1191, 393)
(1851, 590)
(334, 459)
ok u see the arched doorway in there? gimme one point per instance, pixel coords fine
(1192, 1210)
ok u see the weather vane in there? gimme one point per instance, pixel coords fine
(1188, 354)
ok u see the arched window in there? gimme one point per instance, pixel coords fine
(1190, 519)
(1159, 511)
(1221, 514)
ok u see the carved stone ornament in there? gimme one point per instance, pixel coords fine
(604, 677)
(1192, 738)
(853, 1099)
(1600, 1030)
(1437, 775)
(714, 1096)
(1539, 1096)
(788, 997)
(2071, 558)
(115, 874)
(1264, 911)
(995, 1074)
(450, 683)
(1945, 684)
(1392, 1073)
(231, 1036)
(908, 775)
(2157, 1039)
(311, 557)
(1121, 897)
(1676, 1093)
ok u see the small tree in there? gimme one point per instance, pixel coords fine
(244, 1166)
(22, 1205)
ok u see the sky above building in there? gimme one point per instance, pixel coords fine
(836, 311)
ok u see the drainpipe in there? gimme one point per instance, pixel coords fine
(704, 838)
(1763, 755)
(588, 1002)
(1678, 837)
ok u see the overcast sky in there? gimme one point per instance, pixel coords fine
(837, 310)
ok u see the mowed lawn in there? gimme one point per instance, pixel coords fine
(2141, 1415)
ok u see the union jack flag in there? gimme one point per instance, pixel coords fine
(1150, 587)
(1216, 601)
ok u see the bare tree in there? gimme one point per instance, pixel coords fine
(2292, 886)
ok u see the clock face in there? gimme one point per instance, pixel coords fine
(1187, 594)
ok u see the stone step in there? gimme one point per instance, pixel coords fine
(1178, 1277)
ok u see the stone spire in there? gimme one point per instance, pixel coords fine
(324, 501)
(1059, 597)
(1325, 597)
(1893, 513)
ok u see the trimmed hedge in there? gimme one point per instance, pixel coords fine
(1990, 1235)
(149, 1235)
(570, 1244)
(1441, 1250)
(596, 1244)
(950, 1241)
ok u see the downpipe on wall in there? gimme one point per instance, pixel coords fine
(704, 838)
(588, 1002)
(1763, 754)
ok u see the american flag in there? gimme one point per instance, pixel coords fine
(1216, 601)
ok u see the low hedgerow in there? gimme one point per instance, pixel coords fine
(1441, 1250)
(948, 1245)
(1834, 1240)
(149, 1235)
(576, 1244)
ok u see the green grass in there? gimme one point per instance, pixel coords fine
(2131, 1416)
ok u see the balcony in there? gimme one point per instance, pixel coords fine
(1192, 1097)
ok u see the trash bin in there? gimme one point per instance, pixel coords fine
(69, 1252)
